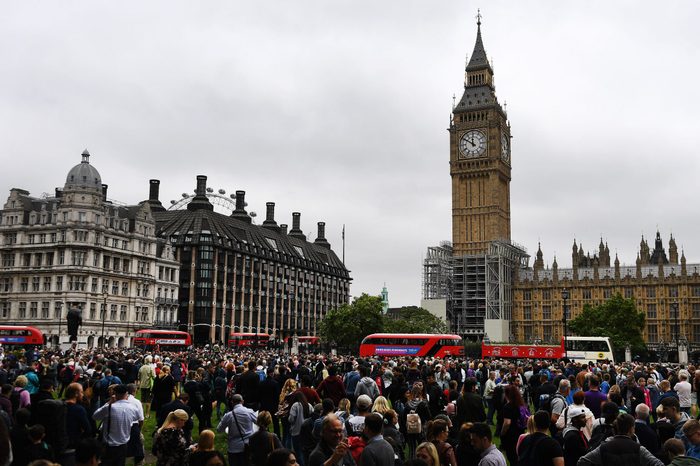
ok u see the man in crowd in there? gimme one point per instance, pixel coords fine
(78, 425)
(356, 424)
(181, 402)
(481, 441)
(117, 416)
(645, 434)
(239, 422)
(377, 452)
(558, 402)
(575, 441)
(470, 405)
(594, 397)
(691, 431)
(539, 448)
(331, 450)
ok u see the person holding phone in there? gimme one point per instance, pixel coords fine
(333, 449)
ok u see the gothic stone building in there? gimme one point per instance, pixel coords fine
(660, 285)
(77, 249)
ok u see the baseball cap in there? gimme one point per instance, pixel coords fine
(576, 411)
(364, 402)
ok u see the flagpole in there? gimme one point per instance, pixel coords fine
(343, 243)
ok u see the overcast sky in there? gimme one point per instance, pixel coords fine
(339, 110)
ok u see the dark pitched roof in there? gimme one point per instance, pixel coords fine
(185, 226)
(478, 60)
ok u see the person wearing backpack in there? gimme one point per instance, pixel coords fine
(20, 397)
(515, 414)
(575, 442)
(538, 448)
(556, 404)
(621, 449)
(416, 415)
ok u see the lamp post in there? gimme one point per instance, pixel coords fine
(60, 318)
(104, 315)
(565, 311)
(674, 306)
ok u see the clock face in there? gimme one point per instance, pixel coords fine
(472, 144)
(505, 148)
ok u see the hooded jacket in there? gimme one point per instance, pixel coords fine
(367, 386)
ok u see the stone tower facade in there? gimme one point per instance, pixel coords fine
(479, 160)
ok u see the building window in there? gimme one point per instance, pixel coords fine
(547, 332)
(527, 295)
(59, 283)
(527, 313)
(24, 284)
(45, 309)
(61, 257)
(36, 283)
(696, 291)
(696, 310)
(546, 294)
(607, 293)
(57, 307)
(673, 292)
(651, 311)
(5, 309)
(546, 312)
(93, 285)
(49, 258)
(125, 288)
(113, 312)
(115, 287)
(651, 292)
(22, 310)
(93, 310)
(102, 311)
(587, 294)
(33, 310)
(8, 259)
(122, 314)
(47, 283)
(652, 333)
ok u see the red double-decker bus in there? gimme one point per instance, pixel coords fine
(16, 335)
(308, 340)
(411, 344)
(248, 340)
(165, 339)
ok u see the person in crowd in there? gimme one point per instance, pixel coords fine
(356, 424)
(594, 398)
(575, 442)
(262, 443)
(117, 416)
(438, 433)
(283, 408)
(465, 452)
(299, 411)
(481, 440)
(558, 402)
(238, 425)
(20, 397)
(169, 444)
(377, 452)
(78, 425)
(332, 386)
(470, 405)
(539, 448)
(247, 386)
(366, 386)
(684, 389)
(691, 432)
(146, 376)
(675, 452)
(269, 394)
(392, 434)
(181, 402)
(515, 416)
(646, 436)
(343, 411)
(427, 452)
(673, 414)
(164, 388)
(621, 449)
(380, 405)
(416, 404)
(331, 449)
(281, 457)
(578, 401)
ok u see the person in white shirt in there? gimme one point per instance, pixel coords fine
(683, 389)
(117, 416)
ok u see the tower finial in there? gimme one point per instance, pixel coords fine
(478, 17)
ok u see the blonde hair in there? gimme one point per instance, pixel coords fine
(21, 381)
(381, 405)
(344, 406)
(178, 414)
(289, 386)
(206, 440)
(432, 451)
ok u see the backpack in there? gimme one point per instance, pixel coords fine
(413, 423)
(524, 416)
(527, 454)
(52, 415)
(103, 386)
(546, 401)
(599, 434)
(15, 399)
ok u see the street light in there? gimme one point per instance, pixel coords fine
(60, 318)
(104, 315)
(565, 311)
(674, 306)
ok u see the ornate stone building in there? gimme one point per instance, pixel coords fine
(78, 249)
(663, 286)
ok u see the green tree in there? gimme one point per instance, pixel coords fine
(346, 326)
(617, 318)
(414, 319)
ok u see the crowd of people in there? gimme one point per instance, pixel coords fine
(85, 407)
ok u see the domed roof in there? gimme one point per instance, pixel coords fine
(84, 175)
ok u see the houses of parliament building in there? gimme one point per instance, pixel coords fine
(482, 280)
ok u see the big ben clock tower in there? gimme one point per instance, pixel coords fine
(479, 160)
(484, 259)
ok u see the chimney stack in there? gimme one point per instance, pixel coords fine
(270, 217)
(240, 212)
(200, 200)
(296, 232)
(153, 193)
(283, 228)
(104, 191)
(321, 239)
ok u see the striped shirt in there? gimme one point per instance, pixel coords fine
(123, 414)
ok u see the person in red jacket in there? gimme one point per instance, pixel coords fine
(332, 387)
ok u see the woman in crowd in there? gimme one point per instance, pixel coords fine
(299, 411)
(427, 452)
(281, 457)
(285, 404)
(512, 424)
(438, 432)
(381, 405)
(262, 443)
(392, 434)
(466, 454)
(343, 411)
(416, 404)
(169, 444)
(164, 388)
